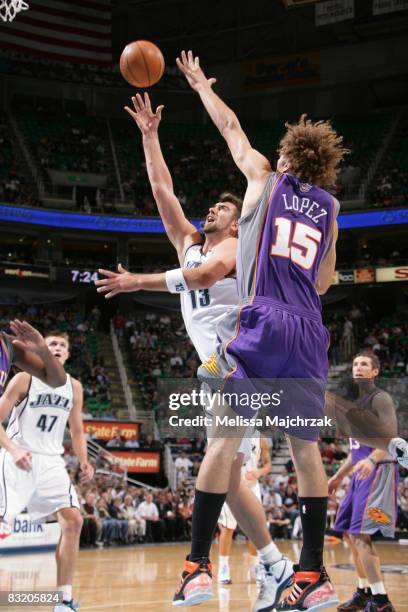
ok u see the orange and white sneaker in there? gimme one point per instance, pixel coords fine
(311, 591)
(195, 586)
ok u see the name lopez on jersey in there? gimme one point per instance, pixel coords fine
(50, 400)
(304, 206)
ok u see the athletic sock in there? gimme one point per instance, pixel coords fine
(223, 560)
(363, 583)
(313, 513)
(207, 509)
(66, 591)
(270, 554)
(378, 588)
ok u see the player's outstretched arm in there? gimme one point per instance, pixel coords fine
(221, 264)
(252, 164)
(32, 355)
(328, 265)
(76, 429)
(15, 392)
(180, 231)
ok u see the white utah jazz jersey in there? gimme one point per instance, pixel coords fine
(203, 308)
(38, 422)
(253, 460)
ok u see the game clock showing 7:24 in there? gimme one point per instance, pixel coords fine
(87, 277)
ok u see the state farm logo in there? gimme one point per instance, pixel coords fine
(5, 530)
(143, 462)
(401, 273)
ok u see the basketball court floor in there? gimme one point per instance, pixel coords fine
(144, 577)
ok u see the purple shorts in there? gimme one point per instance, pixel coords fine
(370, 505)
(268, 347)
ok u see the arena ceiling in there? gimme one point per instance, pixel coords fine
(231, 30)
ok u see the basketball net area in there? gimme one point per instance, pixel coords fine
(10, 8)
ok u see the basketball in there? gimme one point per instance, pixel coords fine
(142, 63)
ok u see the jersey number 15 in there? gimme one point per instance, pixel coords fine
(296, 241)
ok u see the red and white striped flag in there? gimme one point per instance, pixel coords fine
(74, 31)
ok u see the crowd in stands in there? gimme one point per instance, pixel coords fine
(85, 362)
(118, 512)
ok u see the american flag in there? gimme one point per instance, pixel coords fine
(74, 31)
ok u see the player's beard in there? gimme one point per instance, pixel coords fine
(210, 229)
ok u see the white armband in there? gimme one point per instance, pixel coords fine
(175, 281)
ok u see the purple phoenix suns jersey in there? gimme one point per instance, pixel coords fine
(286, 237)
(6, 359)
(358, 450)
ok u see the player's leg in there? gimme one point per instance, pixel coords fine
(312, 589)
(362, 594)
(211, 492)
(276, 571)
(372, 569)
(70, 521)
(224, 550)
(253, 561)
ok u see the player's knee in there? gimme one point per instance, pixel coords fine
(222, 451)
(73, 524)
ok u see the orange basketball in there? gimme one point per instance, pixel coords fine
(142, 63)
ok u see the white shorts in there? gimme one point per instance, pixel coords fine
(227, 519)
(45, 489)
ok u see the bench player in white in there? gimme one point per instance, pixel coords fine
(33, 473)
(207, 289)
(251, 473)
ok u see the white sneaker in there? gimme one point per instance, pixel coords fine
(224, 574)
(275, 579)
(398, 448)
(67, 606)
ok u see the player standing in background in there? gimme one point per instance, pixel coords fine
(286, 257)
(34, 474)
(207, 286)
(370, 504)
(27, 350)
(251, 473)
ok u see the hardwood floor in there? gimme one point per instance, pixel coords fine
(145, 577)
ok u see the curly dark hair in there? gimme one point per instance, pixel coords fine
(313, 150)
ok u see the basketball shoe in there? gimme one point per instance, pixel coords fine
(273, 580)
(398, 448)
(311, 591)
(195, 586)
(379, 604)
(67, 606)
(357, 601)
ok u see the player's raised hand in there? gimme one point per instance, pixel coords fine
(26, 337)
(22, 458)
(142, 112)
(190, 67)
(86, 472)
(121, 281)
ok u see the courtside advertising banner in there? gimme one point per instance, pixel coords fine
(25, 534)
(333, 11)
(137, 462)
(381, 7)
(386, 275)
(106, 430)
(281, 71)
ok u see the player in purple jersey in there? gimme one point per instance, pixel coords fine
(27, 349)
(370, 504)
(286, 257)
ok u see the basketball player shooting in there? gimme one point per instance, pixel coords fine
(34, 474)
(27, 349)
(207, 287)
(286, 258)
